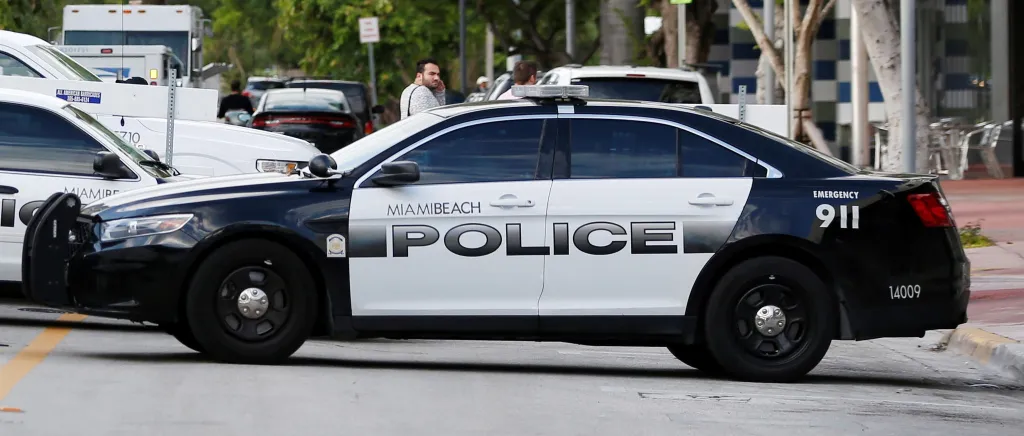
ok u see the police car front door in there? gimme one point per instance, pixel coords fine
(642, 209)
(42, 153)
(468, 237)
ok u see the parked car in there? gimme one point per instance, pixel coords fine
(323, 117)
(624, 82)
(256, 86)
(357, 93)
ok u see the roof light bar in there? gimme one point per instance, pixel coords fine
(550, 91)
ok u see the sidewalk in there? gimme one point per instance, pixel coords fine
(994, 333)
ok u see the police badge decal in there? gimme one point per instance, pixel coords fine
(335, 246)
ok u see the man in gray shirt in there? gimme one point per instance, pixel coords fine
(426, 92)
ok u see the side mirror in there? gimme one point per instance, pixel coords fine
(378, 109)
(323, 165)
(108, 165)
(152, 154)
(398, 173)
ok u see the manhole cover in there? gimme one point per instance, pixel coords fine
(42, 310)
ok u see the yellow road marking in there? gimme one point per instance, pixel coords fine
(18, 367)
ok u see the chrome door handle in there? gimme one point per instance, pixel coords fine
(511, 202)
(711, 201)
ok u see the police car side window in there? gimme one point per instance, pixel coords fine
(700, 157)
(36, 140)
(622, 149)
(500, 151)
(10, 66)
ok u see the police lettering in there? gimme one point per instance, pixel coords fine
(642, 238)
(852, 195)
(7, 212)
(441, 208)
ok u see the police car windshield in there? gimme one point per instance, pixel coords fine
(371, 145)
(62, 62)
(113, 139)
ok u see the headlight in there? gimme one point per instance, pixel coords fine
(145, 226)
(279, 166)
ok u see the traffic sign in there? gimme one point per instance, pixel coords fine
(369, 32)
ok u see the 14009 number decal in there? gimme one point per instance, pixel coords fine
(904, 292)
(849, 216)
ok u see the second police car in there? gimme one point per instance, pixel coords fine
(549, 219)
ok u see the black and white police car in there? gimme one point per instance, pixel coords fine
(541, 219)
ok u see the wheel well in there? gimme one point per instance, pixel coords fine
(775, 245)
(321, 326)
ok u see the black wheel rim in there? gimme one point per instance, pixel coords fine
(266, 292)
(760, 300)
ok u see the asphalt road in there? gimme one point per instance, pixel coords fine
(115, 378)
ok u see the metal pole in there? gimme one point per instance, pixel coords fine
(789, 69)
(172, 85)
(373, 86)
(681, 30)
(908, 57)
(489, 62)
(570, 29)
(462, 45)
(859, 85)
(769, 32)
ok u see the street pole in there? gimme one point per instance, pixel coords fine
(489, 62)
(789, 68)
(908, 57)
(859, 85)
(373, 78)
(570, 29)
(462, 45)
(769, 32)
(681, 30)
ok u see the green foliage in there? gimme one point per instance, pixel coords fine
(971, 237)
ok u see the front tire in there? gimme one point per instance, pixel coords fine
(697, 356)
(184, 335)
(770, 319)
(251, 302)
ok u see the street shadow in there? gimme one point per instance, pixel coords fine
(683, 372)
(76, 325)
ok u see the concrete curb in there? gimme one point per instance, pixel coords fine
(1000, 353)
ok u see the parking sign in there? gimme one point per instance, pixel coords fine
(369, 32)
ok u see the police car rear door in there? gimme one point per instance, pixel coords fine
(639, 209)
(468, 237)
(42, 152)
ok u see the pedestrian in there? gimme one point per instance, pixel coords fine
(524, 73)
(481, 84)
(234, 101)
(426, 92)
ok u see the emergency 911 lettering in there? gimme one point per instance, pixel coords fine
(407, 236)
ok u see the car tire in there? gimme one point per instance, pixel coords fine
(751, 292)
(251, 302)
(183, 334)
(697, 356)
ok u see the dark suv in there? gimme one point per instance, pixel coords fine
(357, 94)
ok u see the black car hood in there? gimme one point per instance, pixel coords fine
(180, 196)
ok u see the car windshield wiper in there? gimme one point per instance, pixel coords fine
(161, 165)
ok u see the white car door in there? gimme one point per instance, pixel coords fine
(644, 206)
(468, 237)
(41, 153)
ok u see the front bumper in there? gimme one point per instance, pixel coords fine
(65, 266)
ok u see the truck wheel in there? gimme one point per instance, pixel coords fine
(252, 302)
(770, 319)
(697, 356)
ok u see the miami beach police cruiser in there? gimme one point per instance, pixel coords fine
(550, 218)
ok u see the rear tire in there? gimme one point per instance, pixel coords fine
(743, 326)
(252, 302)
(697, 356)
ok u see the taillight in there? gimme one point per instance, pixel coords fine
(368, 128)
(930, 209)
(246, 94)
(259, 121)
(268, 120)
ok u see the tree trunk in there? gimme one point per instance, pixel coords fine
(882, 40)
(764, 64)
(622, 30)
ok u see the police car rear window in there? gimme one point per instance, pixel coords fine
(642, 89)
